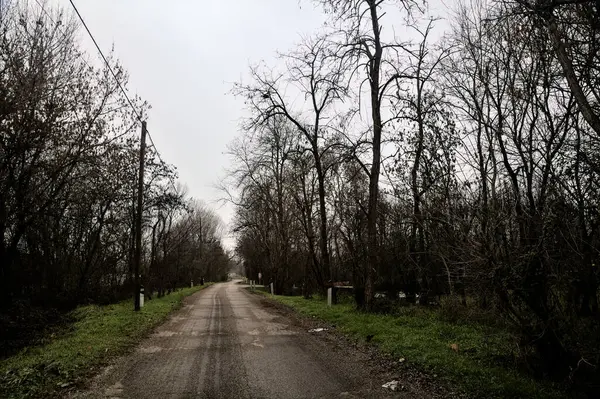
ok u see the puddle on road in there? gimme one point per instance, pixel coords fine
(165, 333)
(151, 349)
(168, 333)
(114, 390)
(279, 329)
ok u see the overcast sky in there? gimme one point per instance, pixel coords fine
(183, 57)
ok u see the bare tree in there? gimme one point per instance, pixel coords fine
(359, 24)
(574, 31)
(315, 73)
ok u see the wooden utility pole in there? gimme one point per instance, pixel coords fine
(138, 222)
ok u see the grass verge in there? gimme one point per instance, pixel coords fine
(474, 358)
(99, 333)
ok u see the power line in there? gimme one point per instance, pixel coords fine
(137, 114)
(43, 8)
(138, 291)
(160, 158)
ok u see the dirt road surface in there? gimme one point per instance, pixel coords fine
(224, 343)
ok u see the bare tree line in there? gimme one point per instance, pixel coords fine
(463, 167)
(69, 148)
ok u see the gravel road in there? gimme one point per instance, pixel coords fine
(225, 343)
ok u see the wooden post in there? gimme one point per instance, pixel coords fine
(138, 221)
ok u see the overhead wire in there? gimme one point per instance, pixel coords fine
(51, 18)
(137, 114)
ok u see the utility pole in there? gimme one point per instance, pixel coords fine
(138, 222)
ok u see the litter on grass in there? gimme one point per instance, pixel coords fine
(317, 329)
(392, 385)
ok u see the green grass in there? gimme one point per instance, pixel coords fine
(99, 333)
(481, 367)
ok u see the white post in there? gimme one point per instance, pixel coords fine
(141, 297)
(329, 296)
(192, 284)
(272, 292)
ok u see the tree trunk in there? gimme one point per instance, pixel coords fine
(325, 260)
(374, 71)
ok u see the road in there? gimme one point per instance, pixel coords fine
(225, 343)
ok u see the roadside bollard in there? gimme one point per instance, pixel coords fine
(272, 292)
(329, 296)
(141, 297)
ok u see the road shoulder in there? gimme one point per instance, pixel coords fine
(379, 367)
